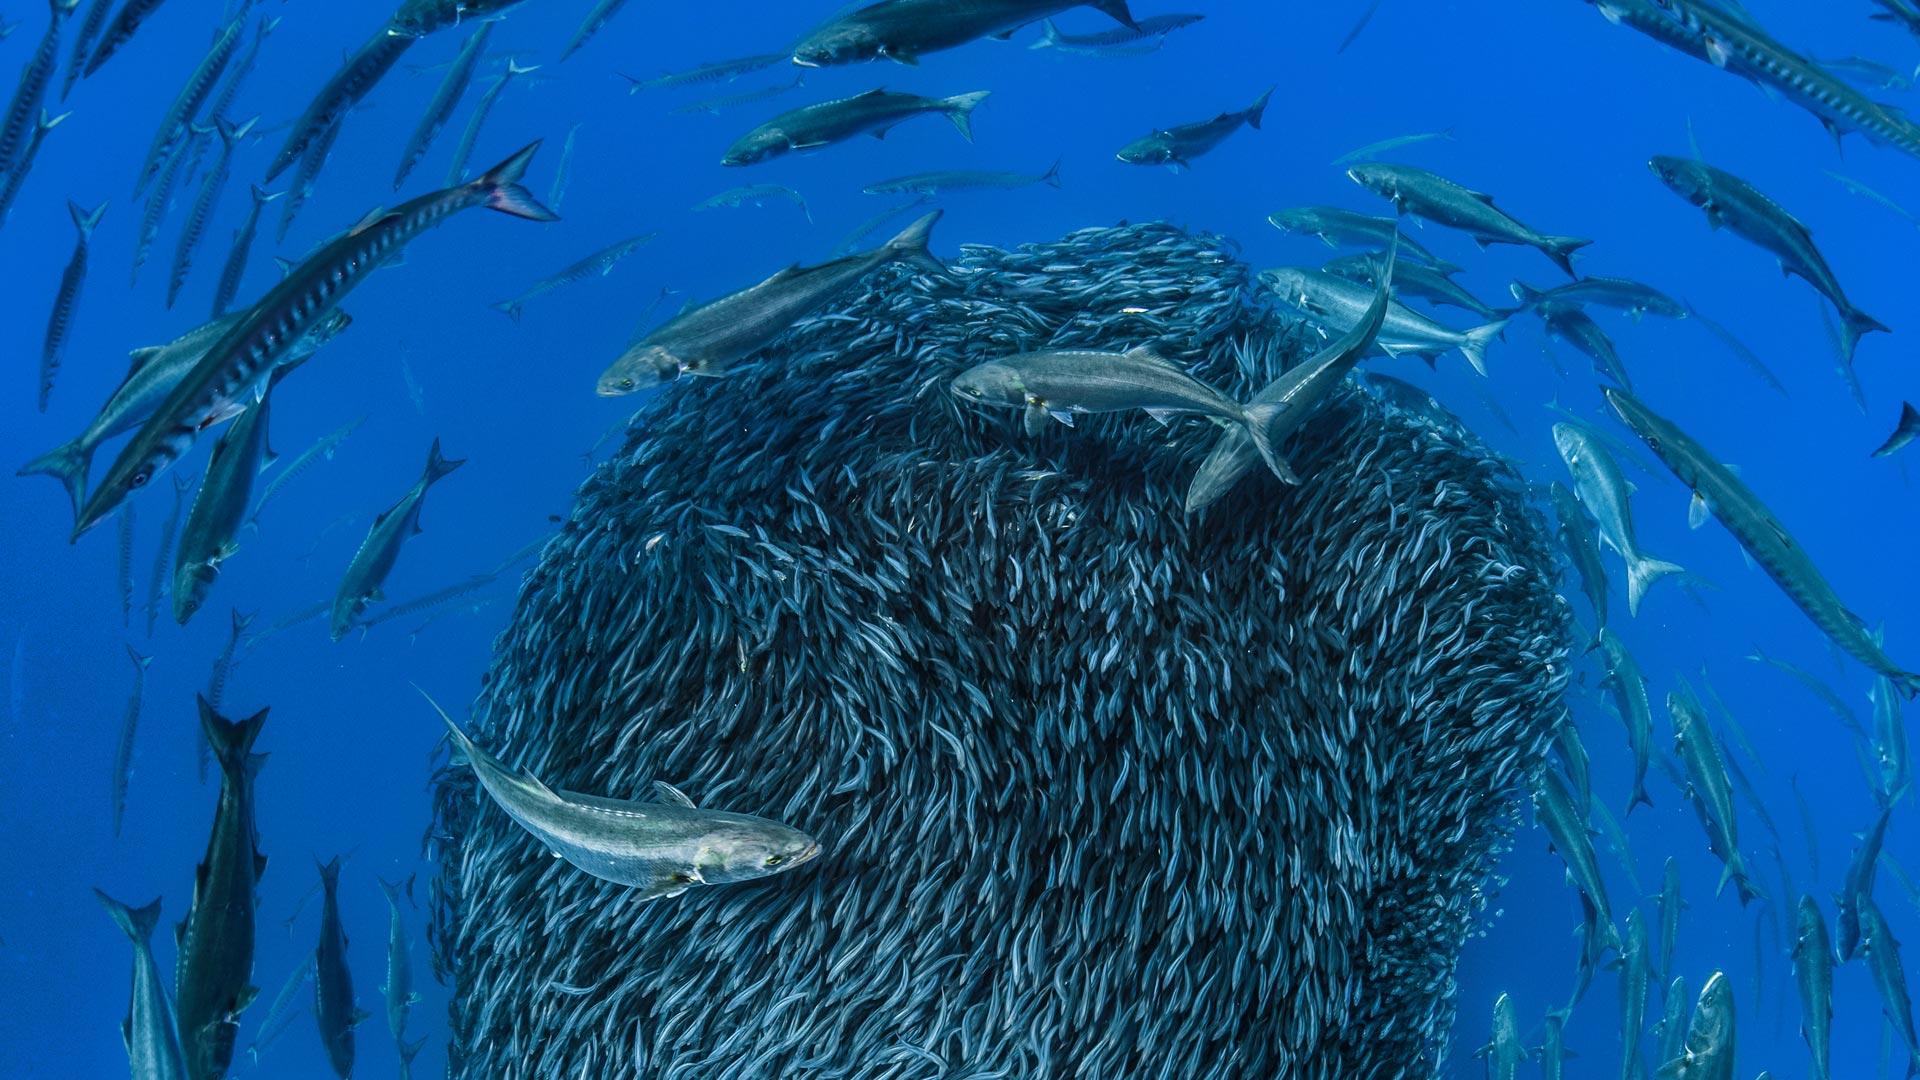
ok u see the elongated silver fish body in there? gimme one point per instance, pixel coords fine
(1336, 305)
(1710, 790)
(153, 1042)
(381, 549)
(11, 183)
(196, 224)
(160, 199)
(1442, 201)
(445, 98)
(1813, 975)
(905, 30)
(1336, 226)
(457, 170)
(213, 525)
(1605, 492)
(333, 1005)
(90, 28)
(53, 346)
(811, 127)
(311, 162)
(235, 268)
(600, 262)
(662, 849)
(355, 79)
(17, 126)
(186, 104)
(240, 362)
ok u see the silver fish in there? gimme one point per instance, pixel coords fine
(12, 182)
(1904, 431)
(1711, 791)
(398, 987)
(1504, 1050)
(1733, 203)
(718, 71)
(1565, 820)
(1629, 296)
(333, 1005)
(381, 549)
(281, 1011)
(1398, 142)
(1707, 1053)
(600, 262)
(153, 1043)
(213, 526)
(1861, 873)
(457, 170)
(905, 30)
(1177, 146)
(186, 104)
(754, 195)
(235, 268)
(1671, 905)
(151, 377)
(356, 78)
(160, 199)
(561, 173)
(713, 337)
(875, 112)
(322, 449)
(67, 300)
(662, 849)
(1813, 974)
(932, 183)
(90, 28)
(163, 555)
(717, 105)
(16, 126)
(317, 153)
(1606, 493)
(1063, 384)
(237, 365)
(1414, 279)
(445, 99)
(1883, 957)
(1634, 980)
(1575, 327)
(1439, 200)
(1335, 304)
(1717, 490)
(203, 204)
(1145, 36)
(130, 724)
(1336, 227)
(596, 20)
(1630, 692)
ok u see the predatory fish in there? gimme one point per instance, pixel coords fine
(281, 1011)
(932, 183)
(717, 71)
(1335, 226)
(67, 300)
(470, 135)
(1707, 1053)
(90, 28)
(1630, 692)
(356, 78)
(1629, 296)
(1145, 36)
(1298, 392)
(905, 30)
(17, 128)
(445, 99)
(123, 753)
(1813, 973)
(213, 525)
(755, 194)
(1634, 980)
(1710, 791)
(717, 105)
(186, 104)
(1859, 882)
(1671, 905)
(1883, 956)
(711, 338)
(163, 555)
(1717, 490)
(1672, 1028)
(333, 1003)
(1413, 279)
(153, 1043)
(1568, 830)
(600, 262)
(1904, 432)
(597, 19)
(1737, 205)
(1504, 1050)
(398, 988)
(1177, 146)
(1443, 202)
(663, 849)
(381, 549)
(1582, 546)
(322, 449)
(160, 199)
(203, 203)
(1335, 304)
(236, 367)
(153, 374)
(235, 268)
(1605, 494)
(1575, 327)
(214, 983)
(874, 112)
(1066, 383)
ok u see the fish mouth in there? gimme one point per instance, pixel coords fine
(811, 853)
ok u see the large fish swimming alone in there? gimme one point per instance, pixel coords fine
(1444, 202)
(875, 112)
(661, 848)
(236, 367)
(1717, 490)
(1177, 146)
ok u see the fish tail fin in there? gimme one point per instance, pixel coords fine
(67, 463)
(409, 1051)
(960, 110)
(1477, 340)
(1853, 324)
(84, 219)
(438, 464)
(1907, 682)
(1051, 177)
(262, 196)
(1257, 419)
(391, 888)
(329, 874)
(1525, 293)
(1259, 108)
(911, 244)
(1049, 35)
(1640, 798)
(231, 740)
(464, 751)
(138, 922)
(1117, 11)
(508, 308)
(1560, 249)
(1641, 574)
(504, 193)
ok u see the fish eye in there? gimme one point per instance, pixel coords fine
(1653, 443)
(682, 879)
(776, 860)
(626, 384)
(138, 479)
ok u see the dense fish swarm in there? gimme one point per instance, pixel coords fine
(1105, 789)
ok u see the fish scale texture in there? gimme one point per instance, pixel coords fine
(1105, 790)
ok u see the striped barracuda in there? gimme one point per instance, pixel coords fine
(452, 88)
(203, 202)
(60, 320)
(237, 366)
(17, 129)
(1717, 490)
(186, 104)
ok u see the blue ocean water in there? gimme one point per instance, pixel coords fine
(1550, 108)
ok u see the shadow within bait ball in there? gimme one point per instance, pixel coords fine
(1106, 790)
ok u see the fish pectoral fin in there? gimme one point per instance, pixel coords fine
(243, 999)
(413, 997)
(669, 793)
(360, 1016)
(1718, 52)
(1696, 511)
(1163, 417)
(1063, 415)
(126, 1033)
(1034, 419)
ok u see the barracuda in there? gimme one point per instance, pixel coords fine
(238, 364)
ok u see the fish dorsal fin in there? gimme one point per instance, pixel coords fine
(670, 794)
(1145, 354)
(374, 216)
(1481, 195)
(138, 358)
(786, 273)
(875, 92)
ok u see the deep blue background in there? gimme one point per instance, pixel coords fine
(1554, 111)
